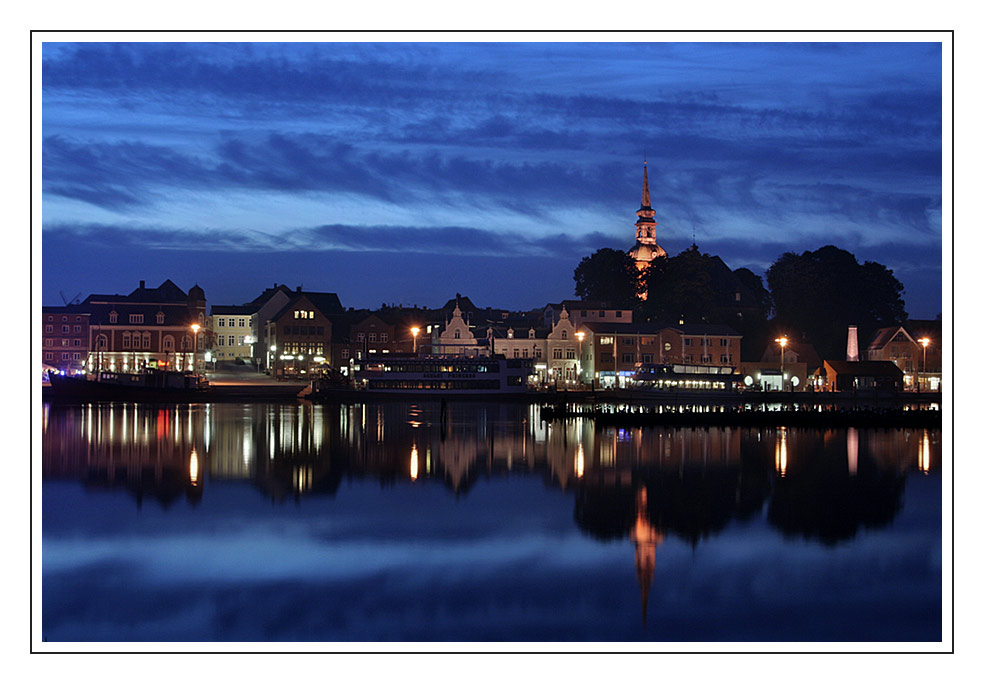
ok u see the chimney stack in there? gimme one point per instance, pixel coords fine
(143, 284)
(852, 343)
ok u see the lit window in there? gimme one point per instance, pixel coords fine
(242, 340)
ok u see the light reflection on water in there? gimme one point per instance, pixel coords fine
(492, 486)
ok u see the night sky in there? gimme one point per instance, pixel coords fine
(407, 172)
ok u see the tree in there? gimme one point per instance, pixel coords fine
(608, 275)
(680, 287)
(821, 293)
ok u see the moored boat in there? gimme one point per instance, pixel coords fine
(153, 385)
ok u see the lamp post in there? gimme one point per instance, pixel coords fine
(580, 338)
(414, 331)
(194, 350)
(783, 341)
(924, 341)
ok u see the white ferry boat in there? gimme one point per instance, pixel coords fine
(443, 375)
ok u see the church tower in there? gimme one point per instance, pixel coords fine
(646, 249)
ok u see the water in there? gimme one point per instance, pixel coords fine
(255, 522)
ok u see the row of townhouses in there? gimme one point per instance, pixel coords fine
(293, 332)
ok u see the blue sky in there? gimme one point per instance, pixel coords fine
(407, 172)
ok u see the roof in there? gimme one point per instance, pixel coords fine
(885, 335)
(226, 309)
(864, 367)
(325, 302)
(269, 292)
(166, 292)
(714, 329)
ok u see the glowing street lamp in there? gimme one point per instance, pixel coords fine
(414, 331)
(924, 341)
(580, 338)
(194, 359)
(783, 341)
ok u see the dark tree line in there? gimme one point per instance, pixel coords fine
(813, 295)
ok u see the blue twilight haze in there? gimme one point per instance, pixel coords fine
(406, 172)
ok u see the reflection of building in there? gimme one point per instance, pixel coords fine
(646, 538)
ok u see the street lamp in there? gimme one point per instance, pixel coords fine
(194, 351)
(580, 338)
(415, 331)
(924, 341)
(783, 341)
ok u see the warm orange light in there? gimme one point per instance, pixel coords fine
(924, 341)
(783, 341)
(579, 462)
(580, 336)
(414, 465)
(193, 467)
(781, 457)
(415, 331)
(195, 328)
(924, 458)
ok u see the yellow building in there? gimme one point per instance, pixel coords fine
(231, 332)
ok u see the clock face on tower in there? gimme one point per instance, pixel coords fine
(667, 346)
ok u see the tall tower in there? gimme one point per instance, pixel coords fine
(646, 248)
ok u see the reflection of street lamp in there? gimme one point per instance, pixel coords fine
(783, 341)
(194, 360)
(414, 331)
(924, 341)
(580, 338)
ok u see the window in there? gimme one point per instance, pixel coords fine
(221, 323)
(51, 318)
(77, 328)
(113, 317)
(221, 340)
(321, 330)
(606, 340)
(516, 353)
(724, 341)
(48, 342)
(537, 353)
(687, 341)
(101, 342)
(242, 340)
(76, 356)
(126, 340)
(64, 356)
(372, 337)
(570, 354)
(64, 318)
(457, 334)
(725, 358)
(242, 322)
(737, 296)
(618, 314)
(532, 333)
(509, 334)
(647, 358)
(49, 329)
(360, 337)
(384, 337)
(705, 358)
(558, 353)
(168, 343)
(136, 318)
(563, 334)
(146, 340)
(160, 318)
(64, 329)
(64, 342)
(76, 342)
(526, 353)
(601, 314)
(628, 358)
(48, 356)
(606, 358)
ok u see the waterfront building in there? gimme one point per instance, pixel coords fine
(846, 376)
(563, 352)
(231, 333)
(65, 338)
(298, 337)
(457, 338)
(148, 328)
(900, 345)
(611, 353)
(270, 302)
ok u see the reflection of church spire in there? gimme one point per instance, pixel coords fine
(646, 538)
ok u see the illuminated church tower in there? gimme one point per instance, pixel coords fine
(646, 249)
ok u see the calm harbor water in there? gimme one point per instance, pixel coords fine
(391, 521)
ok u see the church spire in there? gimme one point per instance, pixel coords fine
(645, 188)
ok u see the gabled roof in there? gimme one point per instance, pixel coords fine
(885, 335)
(865, 367)
(227, 309)
(270, 292)
(325, 302)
